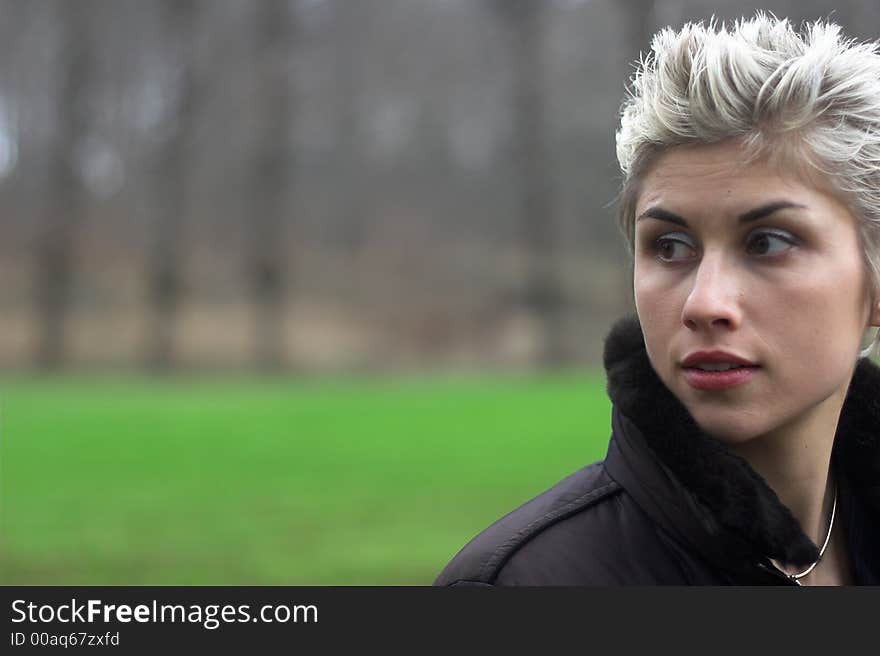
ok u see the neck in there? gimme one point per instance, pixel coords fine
(795, 460)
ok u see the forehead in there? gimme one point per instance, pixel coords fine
(723, 173)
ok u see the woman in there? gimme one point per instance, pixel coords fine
(745, 443)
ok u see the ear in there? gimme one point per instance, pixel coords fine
(874, 317)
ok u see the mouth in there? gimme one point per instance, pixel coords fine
(716, 369)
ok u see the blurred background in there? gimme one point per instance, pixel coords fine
(306, 291)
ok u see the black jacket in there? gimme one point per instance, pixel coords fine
(670, 505)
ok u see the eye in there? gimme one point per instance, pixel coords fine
(672, 248)
(769, 243)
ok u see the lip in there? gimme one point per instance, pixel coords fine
(715, 357)
(717, 380)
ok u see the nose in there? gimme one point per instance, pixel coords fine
(713, 301)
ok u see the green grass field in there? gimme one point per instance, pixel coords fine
(186, 481)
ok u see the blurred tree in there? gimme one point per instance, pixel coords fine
(271, 176)
(173, 175)
(67, 194)
(640, 22)
(542, 294)
(640, 19)
(349, 48)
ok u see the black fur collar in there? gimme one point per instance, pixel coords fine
(722, 483)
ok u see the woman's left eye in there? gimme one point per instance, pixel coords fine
(769, 243)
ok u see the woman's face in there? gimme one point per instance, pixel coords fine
(759, 266)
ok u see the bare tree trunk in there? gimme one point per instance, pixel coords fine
(348, 51)
(272, 174)
(641, 21)
(172, 183)
(640, 18)
(55, 246)
(543, 295)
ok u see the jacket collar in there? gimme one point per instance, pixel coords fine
(697, 487)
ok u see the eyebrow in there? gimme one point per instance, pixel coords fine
(745, 217)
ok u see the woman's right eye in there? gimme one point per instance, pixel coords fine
(671, 249)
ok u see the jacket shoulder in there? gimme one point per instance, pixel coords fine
(480, 560)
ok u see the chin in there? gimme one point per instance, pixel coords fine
(729, 429)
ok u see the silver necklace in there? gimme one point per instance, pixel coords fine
(796, 577)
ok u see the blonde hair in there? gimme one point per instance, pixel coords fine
(811, 94)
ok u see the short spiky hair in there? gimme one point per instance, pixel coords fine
(809, 92)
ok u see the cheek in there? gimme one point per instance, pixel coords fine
(646, 286)
(659, 308)
(824, 316)
(658, 297)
